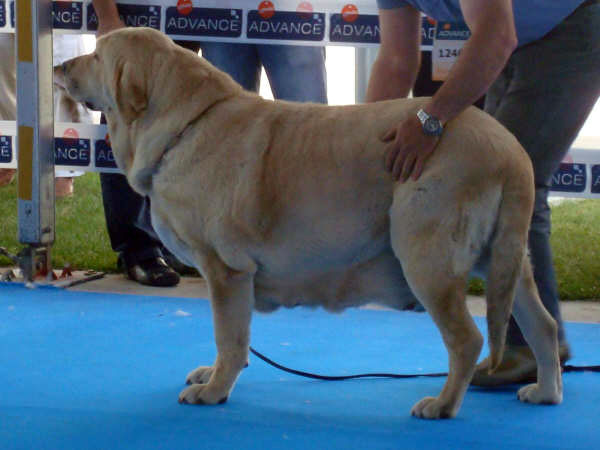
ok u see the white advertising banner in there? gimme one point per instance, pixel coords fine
(320, 22)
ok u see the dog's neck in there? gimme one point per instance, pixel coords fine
(142, 180)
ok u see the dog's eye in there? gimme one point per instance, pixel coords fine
(96, 57)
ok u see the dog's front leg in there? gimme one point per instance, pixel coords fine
(232, 301)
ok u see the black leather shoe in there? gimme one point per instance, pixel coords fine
(152, 272)
(177, 265)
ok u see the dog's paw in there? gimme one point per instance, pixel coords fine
(200, 375)
(201, 394)
(432, 408)
(533, 393)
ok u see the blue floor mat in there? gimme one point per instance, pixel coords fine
(86, 371)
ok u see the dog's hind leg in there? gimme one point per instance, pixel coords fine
(232, 295)
(540, 332)
(435, 248)
(444, 299)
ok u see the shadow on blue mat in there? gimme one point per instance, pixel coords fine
(82, 370)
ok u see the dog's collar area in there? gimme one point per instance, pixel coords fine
(175, 139)
(146, 176)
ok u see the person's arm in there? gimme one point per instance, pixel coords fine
(484, 55)
(395, 69)
(493, 39)
(108, 16)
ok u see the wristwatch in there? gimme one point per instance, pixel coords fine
(431, 125)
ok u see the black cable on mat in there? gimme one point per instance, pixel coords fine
(342, 377)
(566, 368)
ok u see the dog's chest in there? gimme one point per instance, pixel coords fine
(171, 241)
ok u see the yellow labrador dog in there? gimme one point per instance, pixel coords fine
(280, 204)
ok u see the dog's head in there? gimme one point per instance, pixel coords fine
(117, 76)
(115, 79)
(149, 88)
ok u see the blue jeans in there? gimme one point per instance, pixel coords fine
(296, 73)
(543, 96)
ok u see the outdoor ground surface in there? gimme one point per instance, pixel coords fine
(103, 370)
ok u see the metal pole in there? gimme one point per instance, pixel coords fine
(35, 133)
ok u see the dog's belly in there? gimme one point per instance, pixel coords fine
(335, 258)
(378, 279)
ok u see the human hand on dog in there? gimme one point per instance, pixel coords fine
(408, 149)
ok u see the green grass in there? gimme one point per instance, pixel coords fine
(82, 240)
(576, 246)
(81, 237)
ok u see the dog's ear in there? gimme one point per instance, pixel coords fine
(130, 91)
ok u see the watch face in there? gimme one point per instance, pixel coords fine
(431, 126)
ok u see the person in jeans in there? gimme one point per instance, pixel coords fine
(538, 62)
(296, 73)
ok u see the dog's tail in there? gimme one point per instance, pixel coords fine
(508, 251)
